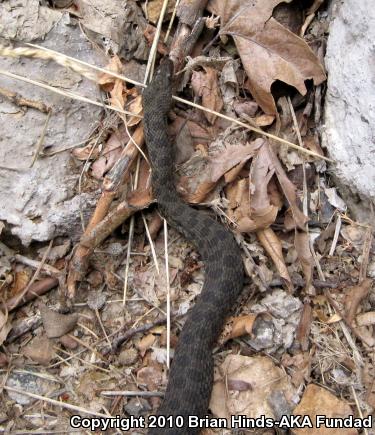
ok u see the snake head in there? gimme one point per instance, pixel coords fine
(158, 93)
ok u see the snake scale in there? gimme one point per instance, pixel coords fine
(191, 375)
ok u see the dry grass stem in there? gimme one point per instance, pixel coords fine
(66, 94)
(197, 106)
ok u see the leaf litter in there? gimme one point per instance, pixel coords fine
(307, 303)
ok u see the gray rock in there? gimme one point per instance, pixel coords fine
(39, 203)
(349, 133)
(137, 406)
(26, 382)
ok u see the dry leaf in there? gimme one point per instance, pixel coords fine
(333, 319)
(151, 376)
(318, 401)
(303, 330)
(272, 245)
(288, 188)
(135, 107)
(242, 325)
(301, 364)
(215, 167)
(268, 51)
(40, 350)
(205, 85)
(354, 296)
(145, 343)
(20, 281)
(154, 7)
(110, 154)
(366, 319)
(264, 120)
(251, 383)
(85, 153)
(232, 156)
(301, 243)
(56, 324)
(262, 213)
(106, 80)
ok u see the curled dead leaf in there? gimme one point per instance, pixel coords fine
(272, 245)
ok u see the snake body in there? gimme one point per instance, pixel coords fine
(191, 375)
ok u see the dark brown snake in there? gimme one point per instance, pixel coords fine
(191, 375)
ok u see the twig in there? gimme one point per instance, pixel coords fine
(140, 329)
(171, 21)
(132, 393)
(38, 289)
(130, 239)
(50, 270)
(19, 297)
(41, 140)
(21, 327)
(16, 99)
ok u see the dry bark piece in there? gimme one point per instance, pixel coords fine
(56, 324)
(35, 290)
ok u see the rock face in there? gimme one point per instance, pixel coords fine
(350, 101)
(40, 202)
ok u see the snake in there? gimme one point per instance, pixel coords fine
(190, 377)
